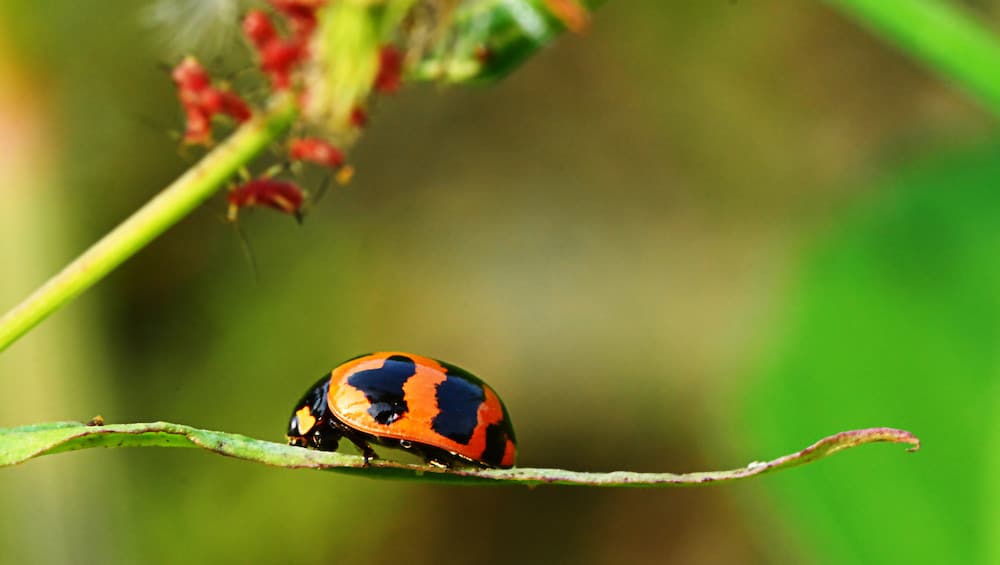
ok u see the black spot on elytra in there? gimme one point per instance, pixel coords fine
(458, 400)
(383, 387)
(496, 443)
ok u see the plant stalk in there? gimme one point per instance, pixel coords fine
(940, 35)
(164, 210)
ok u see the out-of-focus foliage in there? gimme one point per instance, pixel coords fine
(942, 35)
(605, 236)
(901, 303)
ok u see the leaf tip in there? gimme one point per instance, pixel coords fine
(895, 436)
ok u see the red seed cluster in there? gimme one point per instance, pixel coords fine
(281, 40)
(281, 195)
(301, 15)
(202, 101)
(359, 117)
(258, 28)
(390, 70)
(280, 56)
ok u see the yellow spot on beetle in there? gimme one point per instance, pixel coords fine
(306, 420)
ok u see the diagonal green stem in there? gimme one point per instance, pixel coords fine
(942, 36)
(200, 182)
(163, 211)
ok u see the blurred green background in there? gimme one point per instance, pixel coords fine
(702, 234)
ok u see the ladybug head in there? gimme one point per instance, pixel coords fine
(309, 416)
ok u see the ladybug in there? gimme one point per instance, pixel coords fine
(427, 407)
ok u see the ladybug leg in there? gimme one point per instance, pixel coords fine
(366, 450)
(434, 462)
(323, 438)
(359, 439)
(442, 459)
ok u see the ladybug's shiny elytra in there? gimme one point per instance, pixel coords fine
(433, 409)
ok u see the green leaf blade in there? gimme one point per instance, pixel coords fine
(18, 445)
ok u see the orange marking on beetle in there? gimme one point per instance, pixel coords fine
(509, 454)
(490, 412)
(350, 405)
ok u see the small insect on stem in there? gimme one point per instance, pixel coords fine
(281, 195)
(317, 151)
(322, 153)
